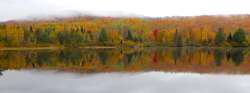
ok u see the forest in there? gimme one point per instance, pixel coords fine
(211, 31)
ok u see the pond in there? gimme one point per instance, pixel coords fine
(146, 70)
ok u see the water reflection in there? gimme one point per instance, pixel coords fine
(1, 73)
(201, 60)
(218, 56)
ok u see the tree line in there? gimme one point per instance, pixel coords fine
(107, 31)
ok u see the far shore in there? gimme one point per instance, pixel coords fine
(55, 48)
(102, 47)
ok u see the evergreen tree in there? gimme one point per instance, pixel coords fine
(239, 36)
(229, 37)
(178, 39)
(43, 36)
(75, 38)
(220, 37)
(130, 35)
(27, 35)
(103, 36)
(64, 37)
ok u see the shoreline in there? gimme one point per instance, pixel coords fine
(54, 48)
(103, 47)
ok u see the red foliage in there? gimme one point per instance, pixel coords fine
(155, 33)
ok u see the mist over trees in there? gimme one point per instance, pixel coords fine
(114, 31)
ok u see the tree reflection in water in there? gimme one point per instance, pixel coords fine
(1, 72)
(113, 60)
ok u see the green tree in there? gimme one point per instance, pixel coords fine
(75, 38)
(63, 37)
(7, 41)
(178, 39)
(72, 38)
(27, 35)
(130, 35)
(220, 37)
(239, 36)
(43, 36)
(103, 36)
(229, 37)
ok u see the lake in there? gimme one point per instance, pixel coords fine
(142, 70)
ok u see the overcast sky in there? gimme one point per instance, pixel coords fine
(21, 9)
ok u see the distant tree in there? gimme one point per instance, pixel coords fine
(229, 37)
(27, 35)
(75, 38)
(7, 41)
(64, 38)
(43, 36)
(178, 39)
(72, 38)
(239, 36)
(60, 37)
(220, 37)
(130, 35)
(2, 26)
(103, 36)
(155, 34)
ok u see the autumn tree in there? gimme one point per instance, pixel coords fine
(156, 34)
(7, 41)
(2, 26)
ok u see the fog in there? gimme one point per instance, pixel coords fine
(34, 81)
(25, 9)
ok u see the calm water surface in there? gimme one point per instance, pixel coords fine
(149, 70)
